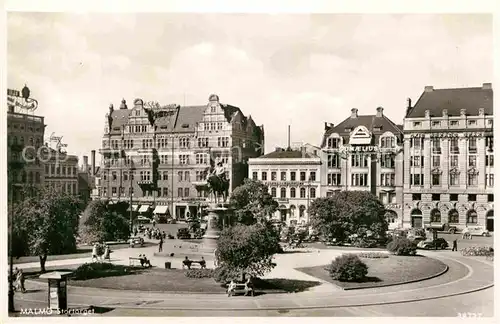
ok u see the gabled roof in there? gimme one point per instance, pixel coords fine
(288, 154)
(470, 99)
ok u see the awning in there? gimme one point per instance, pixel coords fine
(144, 208)
(160, 210)
(134, 208)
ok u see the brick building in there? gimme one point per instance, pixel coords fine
(448, 146)
(158, 154)
(364, 152)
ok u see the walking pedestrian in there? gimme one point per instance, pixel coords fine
(20, 280)
(455, 247)
(160, 245)
(94, 252)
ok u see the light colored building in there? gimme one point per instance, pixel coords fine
(448, 143)
(61, 171)
(159, 154)
(364, 152)
(25, 132)
(293, 179)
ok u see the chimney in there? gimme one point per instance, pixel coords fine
(327, 127)
(380, 112)
(331, 125)
(288, 137)
(85, 162)
(487, 86)
(428, 89)
(408, 106)
(427, 113)
(92, 161)
(354, 113)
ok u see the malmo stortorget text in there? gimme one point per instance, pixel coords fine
(49, 311)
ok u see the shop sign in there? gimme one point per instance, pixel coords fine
(393, 206)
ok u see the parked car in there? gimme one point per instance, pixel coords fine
(136, 240)
(477, 231)
(439, 243)
(171, 221)
(446, 228)
(183, 233)
(143, 220)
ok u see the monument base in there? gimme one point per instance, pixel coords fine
(217, 215)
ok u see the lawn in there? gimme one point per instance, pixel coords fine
(383, 272)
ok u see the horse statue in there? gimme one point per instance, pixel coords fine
(217, 182)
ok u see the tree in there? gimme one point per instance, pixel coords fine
(252, 202)
(46, 223)
(247, 249)
(102, 221)
(347, 213)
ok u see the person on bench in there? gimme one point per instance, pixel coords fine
(186, 263)
(144, 261)
(203, 263)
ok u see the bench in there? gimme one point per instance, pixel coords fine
(133, 260)
(234, 288)
(189, 263)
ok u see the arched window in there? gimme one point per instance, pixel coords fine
(312, 192)
(416, 218)
(391, 216)
(292, 210)
(283, 192)
(453, 216)
(302, 209)
(435, 216)
(292, 193)
(302, 192)
(472, 217)
(416, 212)
(273, 192)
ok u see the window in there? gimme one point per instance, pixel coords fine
(436, 179)
(37, 177)
(283, 176)
(435, 216)
(471, 217)
(417, 179)
(186, 176)
(273, 192)
(387, 142)
(165, 175)
(302, 192)
(312, 176)
(264, 175)
(113, 176)
(387, 161)
(292, 175)
(454, 148)
(165, 192)
(489, 160)
(472, 179)
(436, 123)
(416, 143)
(489, 144)
(186, 192)
(292, 192)
(334, 179)
(359, 160)
(283, 192)
(490, 198)
(472, 122)
(203, 142)
(184, 142)
(453, 216)
(436, 145)
(223, 141)
(489, 180)
(302, 176)
(179, 176)
(416, 124)
(454, 179)
(359, 179)
(183, 159)
(302, 209)
(333, 161)
(454, 161)
(387, 179)
(113, 191)
(180, 192)
(312, 192)
(472, 161)
(436, 197)
(333, 142)
(125, 176)
(472, 145)
(273, 176)
(254, 175)
(417, 161)
(436, 161)
(416, 197)
(472, 197)
(201, 158)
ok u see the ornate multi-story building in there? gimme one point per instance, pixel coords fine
(25, 133)
(157, 155)
(364, 152)
(448, 145)
(293, 179)
(61, 171)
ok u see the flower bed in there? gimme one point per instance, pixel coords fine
(477, 251)
(200, 273)
(373, 255)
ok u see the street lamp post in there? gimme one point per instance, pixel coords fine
(130, 189)
(11, 250)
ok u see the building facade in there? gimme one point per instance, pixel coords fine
(365, 152)
(25, 132)
(61, 171)
(448, 145)
(293, 179)
(86, 178)
(159, 154)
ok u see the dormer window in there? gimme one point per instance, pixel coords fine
(387, 142)
(212, 109)
(137, 112)
(472, 122)
(436, 123)
(348, 129)
(453, 122)
(377, 129)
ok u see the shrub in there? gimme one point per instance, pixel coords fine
(224, 274)
(365, 243)
(373, 255)
(402, 246)
(477, 251)
(98, 270)
(200, 273)
(348, 267)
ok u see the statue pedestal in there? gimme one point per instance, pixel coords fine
(217, 219)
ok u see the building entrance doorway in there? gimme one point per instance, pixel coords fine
(416, 218)
(489, 221)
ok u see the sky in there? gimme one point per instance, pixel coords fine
(281, 69)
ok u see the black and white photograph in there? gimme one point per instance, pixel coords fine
(248, 163)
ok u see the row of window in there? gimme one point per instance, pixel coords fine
(53, 170)
(418, 143)
(67, 187)
(293, 193)
(161, 192)
(36, 142)
(385, 142)
(453, 197)
(453, 216)
(27, 177)
(283, 176)
(453, 179)
(163, 175)
(210, 126)
(29, 128)
(452, 123)
(418, 161)
(361, 160)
